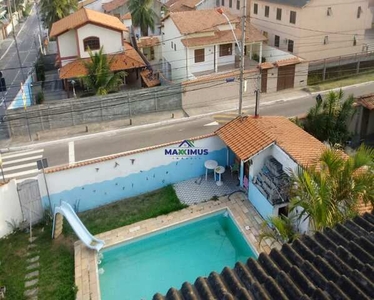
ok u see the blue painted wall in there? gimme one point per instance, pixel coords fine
(94, 195)
(259, 201)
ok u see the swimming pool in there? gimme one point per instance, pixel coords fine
(140, 268)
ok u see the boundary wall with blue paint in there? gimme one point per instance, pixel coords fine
(18, 100)
(109, 179)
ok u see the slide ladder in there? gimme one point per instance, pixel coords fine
(65, 210)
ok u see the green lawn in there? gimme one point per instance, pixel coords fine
(56, 279)
(332, 84)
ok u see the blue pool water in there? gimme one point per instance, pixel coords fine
(139, 269)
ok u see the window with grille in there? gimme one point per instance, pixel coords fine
(223, 2)
(276, 41)
(329, 11)
(267, 11)
(237, 4)
(279, 14)
(354, 41)
(225, 50)
(290, 46)
(293, 17)
(326, 40)
(92, 43)
(255, 8)
(199, 55)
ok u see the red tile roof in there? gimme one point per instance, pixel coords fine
(129, 59)
(366, 101)
(248, 135)
(84, 16)
(112, 5)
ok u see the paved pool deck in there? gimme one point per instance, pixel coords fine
(245, 215)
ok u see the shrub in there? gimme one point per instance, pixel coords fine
(39, 98)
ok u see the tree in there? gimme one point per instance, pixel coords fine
(278, 228)
(142, 15)
(53, 10)
(100, 78)
(328, 192)
(327, 120)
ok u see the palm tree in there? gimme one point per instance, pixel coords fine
(100, 78)
(53, 10)
(328, 192)
(142, 15)
(327, 120)
(278, 229)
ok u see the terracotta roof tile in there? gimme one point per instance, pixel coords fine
(112, 5)
(248, 135)
(126, 16)
(129, 59)
(149, 78)
(205, 20)
(181, 5)
(266, 65)
(148, 41)
(84, 16)
(366, 101)
(288, 61)
(115, 156)
(226, 36)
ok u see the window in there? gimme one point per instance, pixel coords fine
(276, 41)
(223, 2)
(326, 40)
(199, 55)
(255, 8)
(238, 4)
(217, 2)
(92, 43)
(267, 10)
(359, 11)
(225, 50)
(230, 3)
(290, 46)
(329, 11)
(354, 41)
(293, 17)
(279, 14)
(172, 45)
(175, 47)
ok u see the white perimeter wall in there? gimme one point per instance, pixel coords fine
(10, 208)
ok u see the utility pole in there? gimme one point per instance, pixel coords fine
(15, 41)
(242, 53)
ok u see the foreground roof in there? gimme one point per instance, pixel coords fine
(334, 264)
(84, 16)
(129, 59)
(246, 136)
(366, 101)
(296, 3)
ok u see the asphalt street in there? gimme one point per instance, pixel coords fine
(27, 37)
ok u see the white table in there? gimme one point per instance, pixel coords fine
(209, 165)
(219, 170)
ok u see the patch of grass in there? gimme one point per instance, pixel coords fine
(56, 277)
(131, 210)
(332, 84)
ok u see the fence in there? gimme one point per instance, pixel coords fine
(71, 112)
(339, 67)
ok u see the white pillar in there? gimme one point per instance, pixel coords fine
(260, 58)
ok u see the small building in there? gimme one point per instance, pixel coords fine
(313, 29)
(267, 150)
(87, 30)
(150, 46)
(363, 120)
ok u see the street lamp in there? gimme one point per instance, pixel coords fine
(241, 49)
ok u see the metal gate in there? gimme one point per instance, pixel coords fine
(31, 203)
(286, 77)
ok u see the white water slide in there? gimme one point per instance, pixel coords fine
(65, 210)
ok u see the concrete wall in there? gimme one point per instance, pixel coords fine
(308, 34)
(272, 80)
(10, 207)
(104, 182)
(110, 39)
(70, 112)
(206, 65)
(301, 75)
(259, 201)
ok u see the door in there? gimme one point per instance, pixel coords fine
(364, 122)
(264, 81)
(286, 77)
(31, 203)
